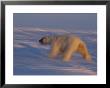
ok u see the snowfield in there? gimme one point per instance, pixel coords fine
(31, 58)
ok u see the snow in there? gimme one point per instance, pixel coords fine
(31, 58)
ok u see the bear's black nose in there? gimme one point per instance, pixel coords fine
(41, 40)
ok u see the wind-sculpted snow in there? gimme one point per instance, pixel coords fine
(31, 58)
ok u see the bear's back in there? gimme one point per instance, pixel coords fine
(64, 40)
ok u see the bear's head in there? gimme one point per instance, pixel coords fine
(45, 40)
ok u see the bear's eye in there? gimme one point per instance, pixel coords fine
(44, 40)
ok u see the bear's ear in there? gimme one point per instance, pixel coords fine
(46, 37)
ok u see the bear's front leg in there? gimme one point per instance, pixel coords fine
(55, 50)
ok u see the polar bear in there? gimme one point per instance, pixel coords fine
(66, 45)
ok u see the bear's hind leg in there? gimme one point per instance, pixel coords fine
(71, 49)
(83, 50)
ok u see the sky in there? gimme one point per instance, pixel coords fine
(83, 21)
